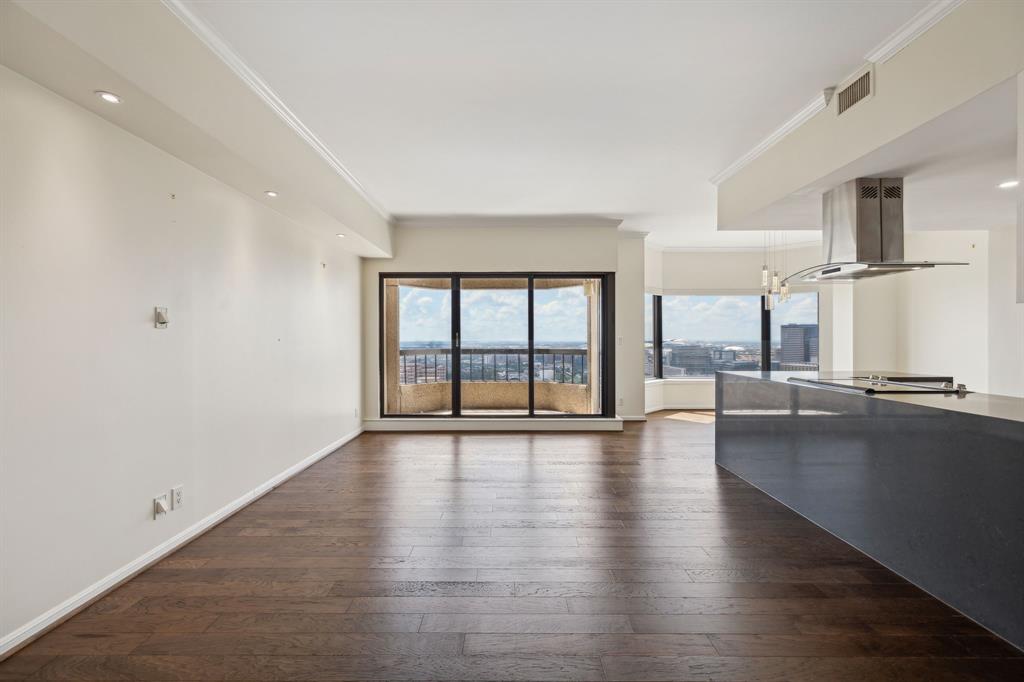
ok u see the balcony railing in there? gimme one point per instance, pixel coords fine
(434, 365)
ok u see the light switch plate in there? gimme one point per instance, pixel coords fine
(160, 317)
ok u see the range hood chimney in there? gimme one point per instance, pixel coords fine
(862, 222)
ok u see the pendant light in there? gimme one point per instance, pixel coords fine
(766, 292)
(784, 289)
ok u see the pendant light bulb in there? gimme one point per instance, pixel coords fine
(784, 291)
(775, 282)
(764, 276)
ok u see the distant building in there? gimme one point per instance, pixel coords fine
(799, 344)
(693, 360)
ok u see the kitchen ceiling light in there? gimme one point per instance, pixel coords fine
(108, 97)
(1009, 184)
(340, 235)
(271, 193)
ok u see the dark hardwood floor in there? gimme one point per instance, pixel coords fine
(518, 557)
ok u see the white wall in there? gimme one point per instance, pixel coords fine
(944, 321)
(711, 272)
(629, 326)
(930, 321)
(258, 370)
(517, 245)
(1006, 316)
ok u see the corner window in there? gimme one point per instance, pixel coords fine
(694, 336)
(704, 334)
(649, 336)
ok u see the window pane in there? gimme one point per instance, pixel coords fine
(704, 334)
(795, 333)
(495, 345)
(648, 335)
(567, 348)
(417, 346)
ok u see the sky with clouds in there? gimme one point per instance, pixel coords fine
(731, 318)
(492, 315)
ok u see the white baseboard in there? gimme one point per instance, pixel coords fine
(24, 634)
(626, 418)
(499, 424)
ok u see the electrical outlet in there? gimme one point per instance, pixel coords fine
(160, 505)
(621, 401)
(177, 497)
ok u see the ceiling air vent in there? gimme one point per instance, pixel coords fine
(856, 91)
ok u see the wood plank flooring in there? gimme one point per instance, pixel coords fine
(518, 557)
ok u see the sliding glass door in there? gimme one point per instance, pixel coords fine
(567, 345)
(416, 338)
(495, 345)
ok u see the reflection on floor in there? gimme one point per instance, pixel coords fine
(519, 556)
(695, 416)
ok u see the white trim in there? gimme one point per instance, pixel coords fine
(815, 106)
(641, 418)
(506, 221)
(233, 61)
(497, 424)
(632, 234)
(58, 613)
(732, 249)
(932, 14)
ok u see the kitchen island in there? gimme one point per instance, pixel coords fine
(930, 485)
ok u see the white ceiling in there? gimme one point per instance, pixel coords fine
(620, 109)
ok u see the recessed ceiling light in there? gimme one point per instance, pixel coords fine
(271, 193)
(1009, 184)
(108, 97)
(340, 235)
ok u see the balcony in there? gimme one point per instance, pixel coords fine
(496, 381)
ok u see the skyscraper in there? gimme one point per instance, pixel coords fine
(799, 343)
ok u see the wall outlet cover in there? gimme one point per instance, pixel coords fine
(177, 497)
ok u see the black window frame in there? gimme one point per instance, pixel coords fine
(766, 335)
(607, 336)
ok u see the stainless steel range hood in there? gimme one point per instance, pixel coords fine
(862, 222)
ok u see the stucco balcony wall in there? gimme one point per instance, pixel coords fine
(495, 395)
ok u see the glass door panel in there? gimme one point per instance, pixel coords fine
(417, 348)
(494, 342)
(567, 345)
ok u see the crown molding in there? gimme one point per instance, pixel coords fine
(729, 249)
(798, 119)
(233, 61)
(932, 14)
(508, 221)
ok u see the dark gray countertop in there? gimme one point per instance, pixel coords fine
(981, 404)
